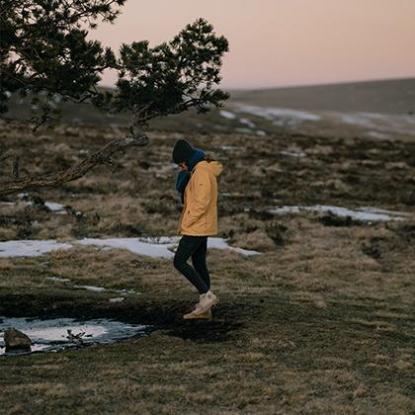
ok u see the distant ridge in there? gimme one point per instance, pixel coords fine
(395, 96)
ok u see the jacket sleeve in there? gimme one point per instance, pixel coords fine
(201, 196)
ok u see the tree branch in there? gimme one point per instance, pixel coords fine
(102, 156)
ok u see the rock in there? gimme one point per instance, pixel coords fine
(15, 339)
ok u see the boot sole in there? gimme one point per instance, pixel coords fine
(197, 318)
(214, 302)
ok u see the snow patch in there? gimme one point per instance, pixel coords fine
(363, 214)
(162, 247)
(52, 206)
(220, 243)
(27, 248)
(134, 245)
(229, 148)
(247, 122)
(298, 154)
(378, 135)
(227, 114)
(280, 116)
(58, 279)
(403, 124)
(55, 207)
(243, 130)
(362, 119)
(91, 288)
(116, 300)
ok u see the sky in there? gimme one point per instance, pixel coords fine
(275, 43)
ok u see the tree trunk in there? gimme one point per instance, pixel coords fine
(102, 156)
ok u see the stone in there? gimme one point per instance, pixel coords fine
(15, 339)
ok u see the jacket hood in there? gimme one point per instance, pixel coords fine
(215, 167)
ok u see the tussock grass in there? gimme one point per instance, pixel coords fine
(321, 323)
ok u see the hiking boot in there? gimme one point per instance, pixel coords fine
(196, 314)
(207, 301)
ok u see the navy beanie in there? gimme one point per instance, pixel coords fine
(182, 151)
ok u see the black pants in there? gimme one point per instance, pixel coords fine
(195, 247)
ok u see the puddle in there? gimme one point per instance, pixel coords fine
(363, 214)
(160, 247)
(53, 335)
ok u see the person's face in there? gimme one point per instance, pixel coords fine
(183, 166)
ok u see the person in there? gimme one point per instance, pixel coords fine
(198, 188)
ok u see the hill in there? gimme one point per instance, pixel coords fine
(375, 110)
(387, 96)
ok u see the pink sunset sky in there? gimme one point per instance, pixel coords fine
(284, 42)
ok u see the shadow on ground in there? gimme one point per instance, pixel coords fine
(227, 320)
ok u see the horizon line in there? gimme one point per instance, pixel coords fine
(308, 85)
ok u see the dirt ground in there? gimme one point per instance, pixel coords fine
(322, 322)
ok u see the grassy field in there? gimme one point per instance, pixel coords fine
(322, 322)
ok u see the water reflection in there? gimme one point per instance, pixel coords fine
(61, 333)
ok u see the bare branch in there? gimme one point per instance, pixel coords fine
(102, 156)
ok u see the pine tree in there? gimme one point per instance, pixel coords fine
(45, 52)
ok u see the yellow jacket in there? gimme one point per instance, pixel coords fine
(200, 216)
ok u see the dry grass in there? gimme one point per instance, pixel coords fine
(321, 323)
